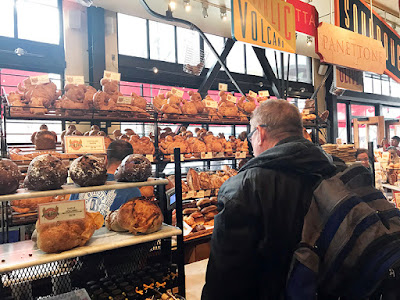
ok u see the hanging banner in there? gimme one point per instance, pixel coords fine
(349, 79)
(306, 17)
(264, 23)
(345, 48)
(355, 15)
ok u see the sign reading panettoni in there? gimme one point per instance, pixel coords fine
(355, 15)
(345, 48)
(264, 23)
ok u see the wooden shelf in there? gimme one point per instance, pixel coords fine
(391, 187)
(25, 254)
(74, 189)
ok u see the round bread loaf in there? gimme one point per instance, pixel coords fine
(46, 172)
(88, 170)
(134, 168)
(9, 176)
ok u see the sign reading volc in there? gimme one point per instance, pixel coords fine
(264, 23)
(355, 15)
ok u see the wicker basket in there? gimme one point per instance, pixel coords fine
(392, 175)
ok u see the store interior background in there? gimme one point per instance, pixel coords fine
(126, 38)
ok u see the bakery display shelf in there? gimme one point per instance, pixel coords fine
(198, 235)
(25, 254)
(199, 194)
(391, 187)
(73, 189)
(194, 159)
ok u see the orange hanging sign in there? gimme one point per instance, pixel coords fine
(265, 23)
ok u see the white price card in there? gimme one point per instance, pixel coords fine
(231, 98)
(306, 111)
(253, 94)
(339, 141)
(211, 103)
(124, 100)
(240, 154)
(385, 156)
(112, 75)
(216, 192)
(219, 154)
(223, 87)
(200, 194)
(74, 79)
(173, 158)
(84, 144)
(190, 194)
(176, 92)
(61, 211)
(150, 157)
(41, 79)
(207, 193)
(206, 155)
(263, 93)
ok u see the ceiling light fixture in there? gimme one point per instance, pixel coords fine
(309, 41)
(172, 4)
(187, 5)
(155, 70)
(223, 13)
(205, 12)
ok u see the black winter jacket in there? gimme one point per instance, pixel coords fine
(260, 221)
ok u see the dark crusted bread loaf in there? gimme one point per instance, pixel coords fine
(88, 170)
(46, 172)
(9, 176)
(44, 139)
(133, 168)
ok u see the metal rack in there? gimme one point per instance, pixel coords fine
(23, 267)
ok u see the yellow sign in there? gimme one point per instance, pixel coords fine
(265, 23)
(61, 211)
(84, 144)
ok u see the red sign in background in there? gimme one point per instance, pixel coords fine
(306, 17)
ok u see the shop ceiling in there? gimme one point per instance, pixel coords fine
(212, 24)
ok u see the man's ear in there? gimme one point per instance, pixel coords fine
(263, 135)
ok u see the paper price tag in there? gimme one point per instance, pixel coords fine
(396, 198)
(124, 100)
(253, 94)
(206, 155)
(176, 92)
(223, 87)
(173, 158)
(211, 103)
(385, 156)
(75, 79)
(339, 141)
(263, 93)
(200, 194)
(240, 154)
(61, 211)
(219, 154)
(41, 79)
(306, 111)
(231, 98)
(207, 193)
(84, 145)
(190, 194)
(112, 75)
(216, 192)
(150, 157)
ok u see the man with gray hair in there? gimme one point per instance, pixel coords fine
(261, 210)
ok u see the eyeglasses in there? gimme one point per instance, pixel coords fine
(250, 135)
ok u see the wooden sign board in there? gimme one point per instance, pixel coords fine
(345, 48)
(264, 23)
(84, 144)
(349, 79)
(61, 211)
